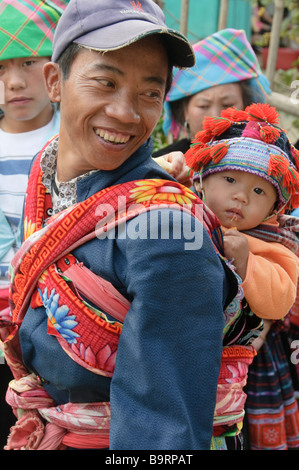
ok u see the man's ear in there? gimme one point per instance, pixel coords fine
(53, 78)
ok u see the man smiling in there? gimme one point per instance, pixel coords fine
(121, 337)
(119, 103)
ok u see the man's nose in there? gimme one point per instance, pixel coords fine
(124, 108)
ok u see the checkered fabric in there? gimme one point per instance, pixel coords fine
(224, 57)
(27, 27)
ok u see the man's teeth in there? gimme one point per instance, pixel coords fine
(111, 138)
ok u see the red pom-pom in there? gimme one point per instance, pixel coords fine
(295, 154)
(197, 156)
(216, 125)
(203, 136)
(291, 180)
(262, 112)
(191, 158)
(234, 114)
(218, 151)
(269, 134)
(293, 202)
(278, 165)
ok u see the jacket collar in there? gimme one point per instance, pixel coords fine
(139, 166)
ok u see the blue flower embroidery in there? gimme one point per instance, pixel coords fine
(59, 317)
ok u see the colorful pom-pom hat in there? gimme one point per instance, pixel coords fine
(249, 141)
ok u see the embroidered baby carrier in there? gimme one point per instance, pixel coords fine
(45, 272)
(42, 267)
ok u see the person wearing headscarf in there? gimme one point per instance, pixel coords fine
(226, 73)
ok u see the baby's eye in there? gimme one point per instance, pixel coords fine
(229, 179)
(258, 191)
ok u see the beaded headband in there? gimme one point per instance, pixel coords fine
(249, 141)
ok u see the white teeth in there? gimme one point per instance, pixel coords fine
(111, 138)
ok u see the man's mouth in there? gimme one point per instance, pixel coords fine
(112, 138)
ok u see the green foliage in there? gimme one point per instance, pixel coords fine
(159, 138)
(290, 24)
(286, 77)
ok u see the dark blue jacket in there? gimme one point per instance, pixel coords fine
(163, 389)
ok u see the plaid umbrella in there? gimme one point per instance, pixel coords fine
(27, 27)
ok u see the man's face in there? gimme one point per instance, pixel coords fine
(110, 104)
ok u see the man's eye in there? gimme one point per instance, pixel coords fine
(153, 94)
(105, 82)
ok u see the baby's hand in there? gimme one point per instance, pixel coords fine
(174, 164)
(236, 248)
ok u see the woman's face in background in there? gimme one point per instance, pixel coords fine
(211, 102)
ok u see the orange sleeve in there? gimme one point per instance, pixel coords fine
(270, 284)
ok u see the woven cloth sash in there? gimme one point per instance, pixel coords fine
(286, 232)
(44, 426)
(230, 399)
(35, 266)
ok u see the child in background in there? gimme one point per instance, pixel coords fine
(247, 173)
(27, 121)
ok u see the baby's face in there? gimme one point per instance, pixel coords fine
(239, 199)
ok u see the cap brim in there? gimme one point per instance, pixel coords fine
(125, 33)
